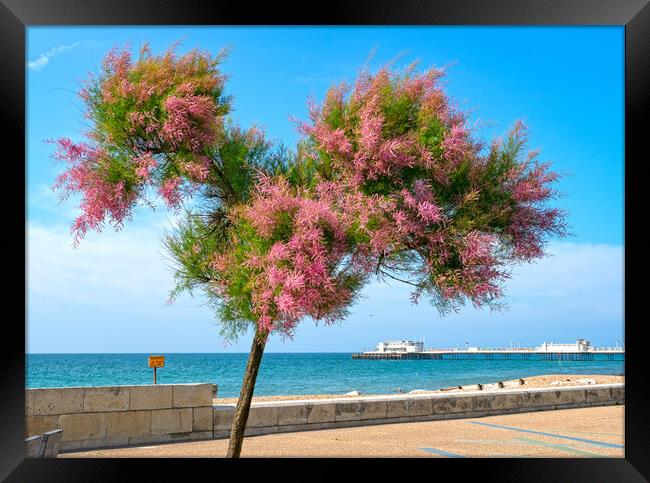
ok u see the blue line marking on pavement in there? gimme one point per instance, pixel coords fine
(442, 453)
(582, 440)
(562, 447)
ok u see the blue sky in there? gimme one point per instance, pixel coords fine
(565, 83)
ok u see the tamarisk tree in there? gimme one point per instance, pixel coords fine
(433, 210)
(387, 181)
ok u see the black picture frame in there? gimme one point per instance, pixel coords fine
(17, 15)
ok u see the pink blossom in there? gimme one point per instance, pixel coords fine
(335, 140)
(190, 121)
(455, 145)
(301, 270)
(170, 192)
(278, 251)
(145, 164)
(199, 169)
(534, 186)
(370, 124)
(100, 198)
(477, 248)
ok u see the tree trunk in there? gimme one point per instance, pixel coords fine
(246, 396)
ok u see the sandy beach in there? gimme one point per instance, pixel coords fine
(551, 380)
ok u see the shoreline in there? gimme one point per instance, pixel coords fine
(541, 381)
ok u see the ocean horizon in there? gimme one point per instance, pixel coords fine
(291, 373)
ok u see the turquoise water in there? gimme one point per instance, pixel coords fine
(309, 373)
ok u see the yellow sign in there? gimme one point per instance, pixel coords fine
(156, 361)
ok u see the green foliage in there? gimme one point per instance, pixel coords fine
(400, 113)
(192, 246)
(431, 135)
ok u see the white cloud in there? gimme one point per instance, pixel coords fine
(42, 199)
(109, 294)
(579, 275)
(131, 264)
(44, 58)
(118, 283)
(127, 266)
(570, 271)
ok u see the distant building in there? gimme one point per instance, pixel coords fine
(581, 345)
(400, 346)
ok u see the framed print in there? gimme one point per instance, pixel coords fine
(373, 233)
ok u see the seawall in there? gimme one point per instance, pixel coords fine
(304, 415)
(96, 417)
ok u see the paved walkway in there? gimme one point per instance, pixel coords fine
(586, 432)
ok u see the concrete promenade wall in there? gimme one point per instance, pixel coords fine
(94, 417)
(289, 416)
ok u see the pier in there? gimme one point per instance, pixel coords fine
(397, 355)
(581, 350)
(495, 355)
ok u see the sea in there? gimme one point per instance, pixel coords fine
(293, 373)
